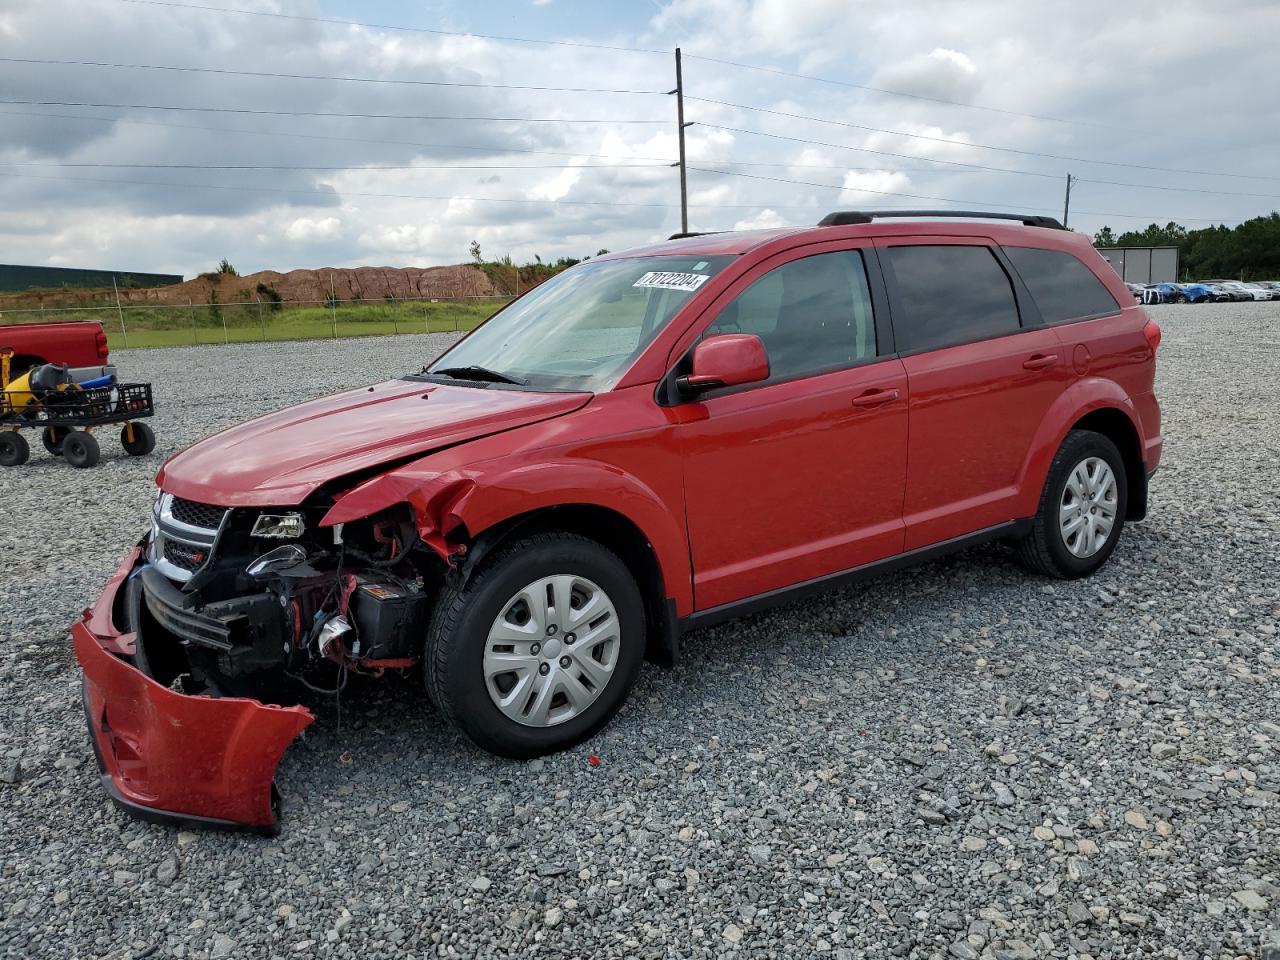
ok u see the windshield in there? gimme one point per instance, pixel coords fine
(581, 329)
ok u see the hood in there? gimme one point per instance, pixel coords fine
(279, 459)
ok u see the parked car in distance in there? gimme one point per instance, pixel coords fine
(1137, 290)
(1169, 292)
(1242, 291)
(79, 345)
(649, 442)
(1195, 292)
(1217, 293)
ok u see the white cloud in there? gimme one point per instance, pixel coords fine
(764, 219)
(1119, 69)
(305, 229)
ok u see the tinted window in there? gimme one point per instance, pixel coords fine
(949, 295)
(1063, 287)
(812, 314)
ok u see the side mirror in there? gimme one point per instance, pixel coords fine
(726, 360)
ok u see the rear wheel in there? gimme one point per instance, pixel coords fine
(540, 648)
(52, 439)
(1081, 510)
(14, 449)
(142, 442)
(80, 449)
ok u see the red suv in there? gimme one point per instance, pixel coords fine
(649, 442)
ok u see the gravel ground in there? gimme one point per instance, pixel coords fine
(958, 761)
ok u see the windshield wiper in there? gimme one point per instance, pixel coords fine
(479, 373)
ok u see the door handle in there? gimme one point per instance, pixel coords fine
(1038, 361)
(873, 398)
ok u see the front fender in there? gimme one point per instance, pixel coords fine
(1077, 401)
(477, 499)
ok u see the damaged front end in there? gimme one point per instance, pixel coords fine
(196, 652)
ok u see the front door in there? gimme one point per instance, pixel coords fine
(800, 476)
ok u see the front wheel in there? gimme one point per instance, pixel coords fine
(138, 439)
(80, 449)
(540, 648)
(14, 449)
(1081, 510)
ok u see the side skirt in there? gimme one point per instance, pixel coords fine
(764, 601)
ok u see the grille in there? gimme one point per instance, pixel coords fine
(181, 555)
(196, 514)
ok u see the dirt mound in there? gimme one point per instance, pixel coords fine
(356, 283)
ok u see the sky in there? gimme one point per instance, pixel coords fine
(1162, 111)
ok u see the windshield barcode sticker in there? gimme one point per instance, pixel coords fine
(672, 281)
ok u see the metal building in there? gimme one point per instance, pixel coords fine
(16, 278)
(1143, 264)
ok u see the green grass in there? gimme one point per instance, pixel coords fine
(165, 326)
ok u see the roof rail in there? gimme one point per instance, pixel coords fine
(842, 218)
(696, 233)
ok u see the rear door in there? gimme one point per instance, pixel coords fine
(982, 371)
(800, 476)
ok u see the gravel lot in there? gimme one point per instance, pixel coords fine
(958, 761)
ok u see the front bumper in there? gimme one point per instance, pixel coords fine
(169, 757)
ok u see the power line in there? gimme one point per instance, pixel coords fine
(315, 136)
(352, 167)
(314, 113)
(963, 143)
(390, 26)
(900, 93)
(312, 76)
(1157, 186)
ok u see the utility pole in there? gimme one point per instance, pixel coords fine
(119, 309)
(1066, 204)
(680, 125)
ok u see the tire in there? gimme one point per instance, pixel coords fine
(459, 643)
(144, 440)
(1048, 549)
(80, 449)
(52, 439)
(14, 449)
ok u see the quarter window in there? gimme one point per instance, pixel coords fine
(813, 315)
(948, 295)
(1063, 288)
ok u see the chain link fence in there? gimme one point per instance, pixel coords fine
(172, 325)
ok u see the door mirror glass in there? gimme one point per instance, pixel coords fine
(727, 360)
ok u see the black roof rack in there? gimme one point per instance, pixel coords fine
(699, 233)
(843, 218)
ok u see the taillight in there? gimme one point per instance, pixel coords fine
(1152, 332)
(101, 339)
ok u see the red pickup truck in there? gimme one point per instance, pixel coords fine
(80, 345)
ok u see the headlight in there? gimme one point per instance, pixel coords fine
(284, 526)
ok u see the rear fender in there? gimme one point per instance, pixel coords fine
(1077, 401)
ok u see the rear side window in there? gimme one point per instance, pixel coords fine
(949, 295)
(1064, 288)
(813, 315)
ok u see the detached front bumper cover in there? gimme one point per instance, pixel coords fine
(172, 758)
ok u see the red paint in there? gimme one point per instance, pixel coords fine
(277, 460)
(728, 360)
(77, 344)
(191, 756)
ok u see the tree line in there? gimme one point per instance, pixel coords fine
(1250, 251)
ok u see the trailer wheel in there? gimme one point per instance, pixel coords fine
(143, 442)
(52, 439)
(80, 449)
(14, 449)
